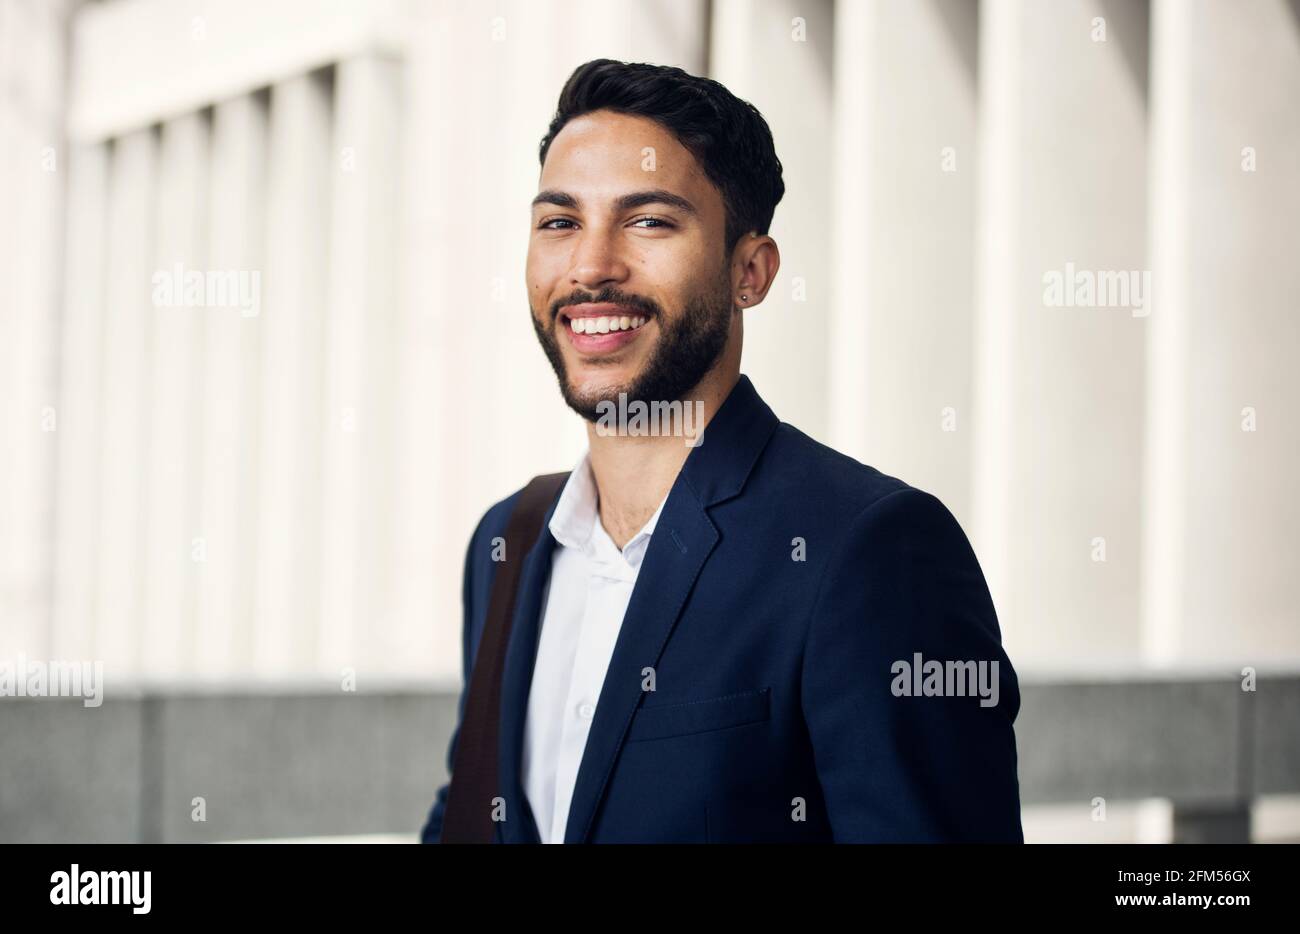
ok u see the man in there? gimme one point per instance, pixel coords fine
(730, 635)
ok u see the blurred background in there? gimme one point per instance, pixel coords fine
(250, 249)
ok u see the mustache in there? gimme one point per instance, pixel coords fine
(634, 303)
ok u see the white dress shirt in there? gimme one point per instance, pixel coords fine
(586, 596)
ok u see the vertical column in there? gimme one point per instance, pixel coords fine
(79, 407)
(181, 293)
(126, 349)
(1224, 446)
(1061, 324)
(903, 241)
(426, 598)
(227, 520)
(32, 172)
(777, 55)
(288, 545)
(358, 507)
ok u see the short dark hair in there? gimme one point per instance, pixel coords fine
(727, 136)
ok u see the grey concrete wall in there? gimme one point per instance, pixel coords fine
(314, 762)
(264, 764)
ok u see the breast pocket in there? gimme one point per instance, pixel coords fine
(660, 721)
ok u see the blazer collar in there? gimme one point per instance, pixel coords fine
(730, 444)
(715, 470)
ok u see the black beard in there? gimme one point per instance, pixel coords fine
(687, 349)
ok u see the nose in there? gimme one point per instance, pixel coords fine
(597, 261)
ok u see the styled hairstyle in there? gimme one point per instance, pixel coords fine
(727, 136)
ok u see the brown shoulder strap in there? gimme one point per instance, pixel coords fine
(468, 817)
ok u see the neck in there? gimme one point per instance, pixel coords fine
(634, 473)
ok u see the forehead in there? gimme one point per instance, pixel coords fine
(603, 154)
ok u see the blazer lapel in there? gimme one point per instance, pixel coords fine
(682, 542)
(516, 682)
(683, 539)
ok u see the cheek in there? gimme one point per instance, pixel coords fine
(540, 276)
(535, 286)
(532, 269)
(682, 268)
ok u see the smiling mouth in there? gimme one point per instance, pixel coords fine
(604, 324)
(591, 333)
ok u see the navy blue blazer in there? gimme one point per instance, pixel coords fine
(781, 710)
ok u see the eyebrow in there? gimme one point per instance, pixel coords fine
(634, 199)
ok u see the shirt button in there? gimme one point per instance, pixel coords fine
(586, 711)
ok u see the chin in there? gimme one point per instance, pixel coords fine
(598, 387)
(586, 379)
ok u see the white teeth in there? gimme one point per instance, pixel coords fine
(606, 324)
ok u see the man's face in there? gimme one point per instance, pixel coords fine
(620, 236)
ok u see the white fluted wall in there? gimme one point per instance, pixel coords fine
(33, 170)
(1223, 442)
(195, 492)
(1058, 426)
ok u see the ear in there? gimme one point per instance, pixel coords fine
(755, 262)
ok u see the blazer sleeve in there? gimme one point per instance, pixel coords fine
(904, 589)
(432, 830)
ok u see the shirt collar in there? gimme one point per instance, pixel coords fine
(575, 513)
(576, 522)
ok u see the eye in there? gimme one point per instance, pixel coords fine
(656, 221)
(546, 225)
